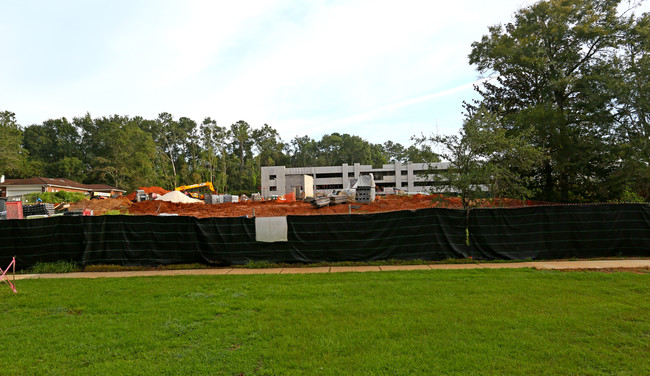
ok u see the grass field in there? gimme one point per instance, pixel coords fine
(504, 322)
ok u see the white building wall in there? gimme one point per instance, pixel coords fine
(391, 176)
(23, 189)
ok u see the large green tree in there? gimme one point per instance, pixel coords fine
(12, 154)
(241, 161)
(269, 148)
(336, 149)
(484, 159)
(632, 91)
(420, 153)
(551, 73)
(56, 145)
(171, 138)
(124, 153)
(215, 140)
(303, 152)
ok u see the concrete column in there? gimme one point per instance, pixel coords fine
(357, 170)
(280, 181)
(410, 178)
(398, 175)
(344, 175)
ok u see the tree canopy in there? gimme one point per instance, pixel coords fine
(484, 159)
(566, 73)
(12, 154)
(128, 152)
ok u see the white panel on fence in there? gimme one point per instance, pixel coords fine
(271, 229)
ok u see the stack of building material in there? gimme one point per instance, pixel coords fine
(213, 199)
(74, 213)
(365, 194)
(320, 202)
(38, 209)
(365, 189)
(230, 198)
(257, 197)
(339, 199)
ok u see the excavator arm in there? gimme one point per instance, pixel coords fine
(184, 188)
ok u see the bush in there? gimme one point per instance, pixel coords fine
(60, 266)
(262, 264)
(630, 195)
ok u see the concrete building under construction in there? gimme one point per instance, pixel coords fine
(406, 178)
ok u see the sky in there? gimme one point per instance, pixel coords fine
(382, 70)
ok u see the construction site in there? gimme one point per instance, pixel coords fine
(195, 224)
(362, 202)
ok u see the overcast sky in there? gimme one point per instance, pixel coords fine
(383, 70)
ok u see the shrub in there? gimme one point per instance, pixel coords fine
(630, 195)
(262, 264)
(60, 266)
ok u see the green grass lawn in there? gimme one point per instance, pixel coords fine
(500, 322)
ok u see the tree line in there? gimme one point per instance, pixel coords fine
(129, 152)
(563, 115)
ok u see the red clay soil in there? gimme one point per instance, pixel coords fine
(278, 208)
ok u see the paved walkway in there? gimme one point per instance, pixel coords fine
(557, 265)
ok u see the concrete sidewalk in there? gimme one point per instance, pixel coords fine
(556, 265)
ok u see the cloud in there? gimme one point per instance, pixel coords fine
(406, 103)
(356, 66)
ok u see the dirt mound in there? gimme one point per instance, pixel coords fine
(149, 190)
(100, 207)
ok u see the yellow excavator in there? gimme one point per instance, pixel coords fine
(187, 189)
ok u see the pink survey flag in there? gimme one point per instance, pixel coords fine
(4, 276)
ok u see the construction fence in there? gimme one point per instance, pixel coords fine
(543, 232)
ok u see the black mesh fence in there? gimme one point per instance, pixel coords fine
(430, 234)
(41, 240)
(543, 232)
(426, 234)
(564, 231)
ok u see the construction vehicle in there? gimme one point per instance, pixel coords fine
(141, 195)
(99, 195)
(197, 195)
